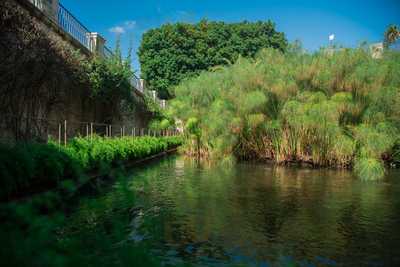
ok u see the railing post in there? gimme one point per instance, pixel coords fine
(141, 85)
(97, 43)
(55, 5)
(154, 94)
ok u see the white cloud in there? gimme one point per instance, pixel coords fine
(124, 27)
(117, 30)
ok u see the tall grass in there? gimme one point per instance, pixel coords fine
(340, 109)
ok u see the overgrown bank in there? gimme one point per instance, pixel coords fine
(331, 108)
(27, 168)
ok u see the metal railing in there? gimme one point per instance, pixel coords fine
(74, 27)
(107, 52)
(71, 25)
(137, 84)
(43, 5)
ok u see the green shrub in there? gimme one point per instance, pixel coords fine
(32, 167)
(369, 169)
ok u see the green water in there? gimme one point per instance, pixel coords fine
(246, 215)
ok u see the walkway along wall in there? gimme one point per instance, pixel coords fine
(39, 79)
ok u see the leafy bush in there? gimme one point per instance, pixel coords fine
(32, 167)
(27, 167)
(327, 109)
(174, 52)
(110, 77)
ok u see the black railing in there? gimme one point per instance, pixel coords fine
(74, 27)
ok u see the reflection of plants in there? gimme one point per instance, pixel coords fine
(326, 110)
(39, 234)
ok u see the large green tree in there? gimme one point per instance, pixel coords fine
(177, 51)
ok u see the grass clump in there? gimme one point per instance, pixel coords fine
(336, 109)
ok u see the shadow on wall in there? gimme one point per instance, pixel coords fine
(40, 81)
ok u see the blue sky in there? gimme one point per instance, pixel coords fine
(309, 21)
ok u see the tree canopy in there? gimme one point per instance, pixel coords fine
(173, 52)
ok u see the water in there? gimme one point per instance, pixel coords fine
(251, 215)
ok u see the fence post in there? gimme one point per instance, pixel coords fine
(123, 130)
(106, 131)
(65, 133)
(110, 131)
(87, 130)
(59, 134)
(91, 131)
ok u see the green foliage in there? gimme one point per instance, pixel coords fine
(99, 151)
(109, 77)
(27, 168)
(369, 169)
(325, 109)
(391, 35)
(174, 52)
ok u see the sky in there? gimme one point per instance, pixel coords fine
(310, 21)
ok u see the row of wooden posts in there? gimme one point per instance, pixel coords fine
(90, 132)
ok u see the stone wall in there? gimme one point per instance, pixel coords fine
(40, 86)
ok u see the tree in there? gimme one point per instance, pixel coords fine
(174, 52)
(392, 33)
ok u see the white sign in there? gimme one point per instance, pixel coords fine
(331, 37)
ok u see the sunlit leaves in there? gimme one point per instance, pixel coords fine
(369, 168)
(327, 109)
(174, 52)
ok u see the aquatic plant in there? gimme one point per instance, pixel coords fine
(327, 109)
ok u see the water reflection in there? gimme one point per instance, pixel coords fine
(263, 215)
